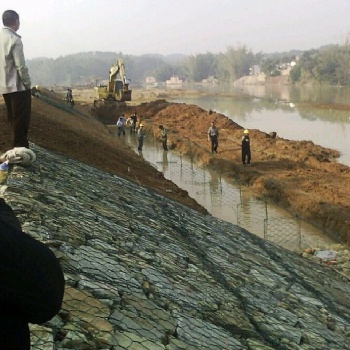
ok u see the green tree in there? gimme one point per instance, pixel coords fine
(295, 74)
(200, 66)
(269, 66)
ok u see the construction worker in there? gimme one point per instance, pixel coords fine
(246, 155)
(36, 91)
(121, 125)
(140, 137)
(163, 137)
(133, 120)
(69, 97)
(213, 136)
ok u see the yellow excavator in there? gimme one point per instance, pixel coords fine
(118, 87)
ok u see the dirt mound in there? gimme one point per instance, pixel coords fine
(302, 177)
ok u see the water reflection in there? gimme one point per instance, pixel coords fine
(224, 199)
(281, 109)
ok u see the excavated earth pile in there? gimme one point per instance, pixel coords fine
(302, 177)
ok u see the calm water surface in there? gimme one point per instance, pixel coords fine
(282, 109)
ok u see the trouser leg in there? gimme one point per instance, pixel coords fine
(243, 155)
(18, 105)
(212, 144)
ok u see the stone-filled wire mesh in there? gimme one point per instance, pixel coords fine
(144, 272)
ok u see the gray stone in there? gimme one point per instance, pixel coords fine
(144, 272)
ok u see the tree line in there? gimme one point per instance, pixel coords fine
(327, 65)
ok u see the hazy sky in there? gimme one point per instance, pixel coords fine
(54, 28)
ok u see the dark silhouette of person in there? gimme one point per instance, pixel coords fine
(246, 154)
(213, 136)
(133, 123)
(163, 137)
(32, 282)
(140, 137)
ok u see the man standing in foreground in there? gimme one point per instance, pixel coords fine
(15, 84)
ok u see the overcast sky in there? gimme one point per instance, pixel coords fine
(53, 28)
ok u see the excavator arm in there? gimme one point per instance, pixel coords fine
(115, 70)
(118, 88)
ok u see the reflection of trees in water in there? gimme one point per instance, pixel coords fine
(276, 97)
(332, 116)
(296, 94)
(322, 94)
(238, 109)
(278, 92)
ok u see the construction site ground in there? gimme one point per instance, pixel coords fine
(302, 177)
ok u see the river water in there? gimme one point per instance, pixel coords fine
(269, 108)
(228, 201)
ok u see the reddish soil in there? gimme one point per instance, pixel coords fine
(302, 177)
(76, 134)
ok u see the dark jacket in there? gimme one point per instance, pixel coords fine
(32, 282)
(245, 142)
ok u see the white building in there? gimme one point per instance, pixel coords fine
(151, 81)
(174, 80)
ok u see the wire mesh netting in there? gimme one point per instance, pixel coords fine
(143, 272)
(229, 201)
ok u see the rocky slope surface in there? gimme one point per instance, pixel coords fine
(145, 272)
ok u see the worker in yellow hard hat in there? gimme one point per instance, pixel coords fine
(36, 91)
(246, 154)
(140, 137)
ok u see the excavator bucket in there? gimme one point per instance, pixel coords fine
(127, 95)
